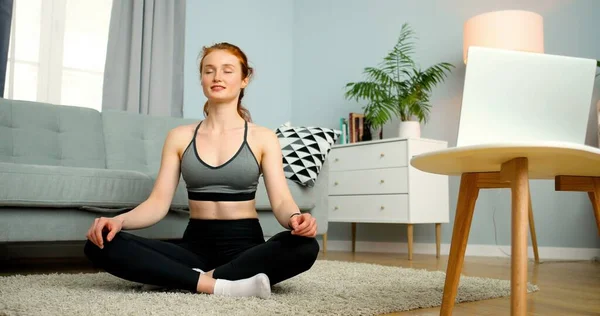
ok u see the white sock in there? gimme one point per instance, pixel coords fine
(257, 285)
(198, 270)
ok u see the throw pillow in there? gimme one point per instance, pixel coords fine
(304, 151)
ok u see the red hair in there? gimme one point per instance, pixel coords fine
(246, 72)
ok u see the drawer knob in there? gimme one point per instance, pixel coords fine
(381, 181)
(336, 160)
(335, 183)
(382, 154)
(382, 207)
(335, 208)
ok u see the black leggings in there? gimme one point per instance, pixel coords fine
(235, 249)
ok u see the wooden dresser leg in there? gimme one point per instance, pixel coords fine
(353, 237)
(410, 230)
(467, 196)
(536, 255)
(438, 239)
(518, 172)
(325, 243)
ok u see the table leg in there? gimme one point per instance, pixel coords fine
(410, 230)
(517, 171)
(467, 196)
(591, 185)
(532, 230)
(595, 199)
(325, 243)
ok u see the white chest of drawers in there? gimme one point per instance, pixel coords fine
(373, 182)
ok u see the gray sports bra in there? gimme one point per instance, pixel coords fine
(234, 180)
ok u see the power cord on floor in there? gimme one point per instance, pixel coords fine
(508, 255)
(594, 260)
(495, 234)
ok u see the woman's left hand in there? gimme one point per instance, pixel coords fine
(303, 225)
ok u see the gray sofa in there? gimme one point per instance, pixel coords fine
(63, 166)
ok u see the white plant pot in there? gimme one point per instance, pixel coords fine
(409, 129)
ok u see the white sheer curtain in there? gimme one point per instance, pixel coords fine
(58, 51)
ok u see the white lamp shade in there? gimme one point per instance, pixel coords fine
(510, 29)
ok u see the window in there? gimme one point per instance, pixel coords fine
(57, 51)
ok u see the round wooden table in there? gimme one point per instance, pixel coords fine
(574, 167)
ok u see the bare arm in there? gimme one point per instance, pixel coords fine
(156, 207)
(280, 197)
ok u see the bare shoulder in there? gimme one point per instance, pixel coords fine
(261, 135)
(179, 137)
(181, 133)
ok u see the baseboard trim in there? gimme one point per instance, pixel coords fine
(546, 253)
(75, 249)
(41, 250)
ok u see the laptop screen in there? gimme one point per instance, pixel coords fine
(512, 96)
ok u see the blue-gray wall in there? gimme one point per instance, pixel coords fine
(331, 41)
(262, 29)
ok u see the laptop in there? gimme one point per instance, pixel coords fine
(512, 96)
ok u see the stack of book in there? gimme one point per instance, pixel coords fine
(352, 128)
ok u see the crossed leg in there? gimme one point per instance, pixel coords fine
(249, 273)
(148, 261)
(281, 257)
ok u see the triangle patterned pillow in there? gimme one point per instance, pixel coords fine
(304, 151)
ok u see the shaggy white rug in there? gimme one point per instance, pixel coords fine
(329, 288)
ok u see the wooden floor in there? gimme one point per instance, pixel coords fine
(566, 288)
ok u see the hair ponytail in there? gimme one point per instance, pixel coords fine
(242, 111)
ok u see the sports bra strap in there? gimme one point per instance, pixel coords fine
(196, 132)
(197, 127)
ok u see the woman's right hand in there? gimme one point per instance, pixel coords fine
(112, 225)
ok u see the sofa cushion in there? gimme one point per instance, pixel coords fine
(135, 141)
(180, 198)
(305, 197)
(47, 134)
(57, 186)
(305, 150)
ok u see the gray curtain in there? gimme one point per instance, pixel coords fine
(144, 58)
(6, 7)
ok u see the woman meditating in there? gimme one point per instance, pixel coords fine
(222, 251)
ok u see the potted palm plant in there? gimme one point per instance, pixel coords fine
(398, 88)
